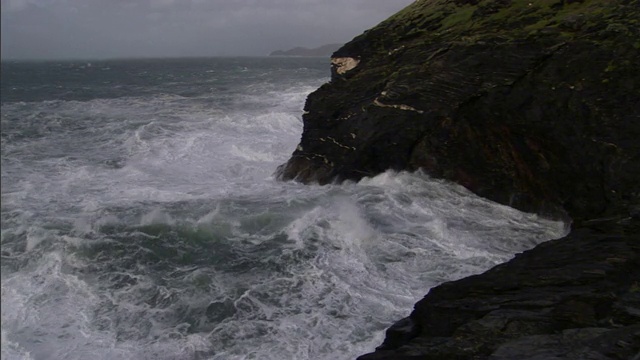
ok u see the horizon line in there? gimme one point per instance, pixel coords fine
(89, 59)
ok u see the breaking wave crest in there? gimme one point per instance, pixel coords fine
(151, 227)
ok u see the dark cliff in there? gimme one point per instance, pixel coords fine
(534, 104)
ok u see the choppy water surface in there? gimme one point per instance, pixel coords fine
(141, 219)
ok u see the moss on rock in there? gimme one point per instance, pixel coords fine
(533, 92)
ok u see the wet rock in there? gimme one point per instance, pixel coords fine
(399, 333)
(532, 106)
(572, 298)
(577, 344)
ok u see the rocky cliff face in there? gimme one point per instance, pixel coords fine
(534, 104)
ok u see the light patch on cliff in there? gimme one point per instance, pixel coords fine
(377, 102)
(344, 64)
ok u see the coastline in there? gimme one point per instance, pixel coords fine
(531, 105)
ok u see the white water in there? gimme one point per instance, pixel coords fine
(152, 228)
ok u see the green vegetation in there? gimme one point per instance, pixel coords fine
(461, 18)
(445, 20)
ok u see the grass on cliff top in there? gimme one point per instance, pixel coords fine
(511, 18)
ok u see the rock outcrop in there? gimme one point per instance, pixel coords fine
(534, 104)
(573, 298)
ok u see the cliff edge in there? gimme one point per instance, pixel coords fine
(533, 104)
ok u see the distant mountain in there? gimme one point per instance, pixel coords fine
(324, 50)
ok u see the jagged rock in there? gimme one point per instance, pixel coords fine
(579, 293)
(534, 104)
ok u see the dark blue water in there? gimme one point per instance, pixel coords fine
(141, 219)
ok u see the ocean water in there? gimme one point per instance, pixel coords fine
(141, 219)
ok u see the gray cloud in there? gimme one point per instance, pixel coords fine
(132, 28)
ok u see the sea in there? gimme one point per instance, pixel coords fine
(142, 219)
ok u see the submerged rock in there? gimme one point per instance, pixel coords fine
(534, 104)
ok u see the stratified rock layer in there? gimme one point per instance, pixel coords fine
(534, 104)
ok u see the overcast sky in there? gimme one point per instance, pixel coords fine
(53, 29)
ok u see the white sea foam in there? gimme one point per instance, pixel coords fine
(12, 350)
(51, 312)
(354, 273)
(150, 227)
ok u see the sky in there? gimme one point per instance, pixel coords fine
(96, 29)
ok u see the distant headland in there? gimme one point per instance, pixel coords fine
(324, 50)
